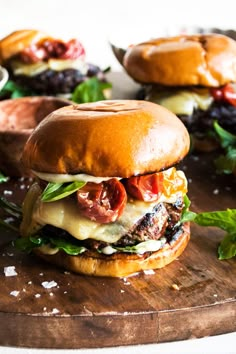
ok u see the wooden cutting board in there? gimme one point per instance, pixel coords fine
(195, 296)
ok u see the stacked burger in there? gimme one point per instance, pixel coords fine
(108, 196)
(194, 77)
(43, 65)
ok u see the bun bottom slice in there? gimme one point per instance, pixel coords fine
(121, 264)
(107, 200)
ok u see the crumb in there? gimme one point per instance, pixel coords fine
(37, 295)
(216, 191)
(22, 186)
(65, 292)
(66, 272)
(10, 271)
(10, 254)
(215, 295)
(30, 282)
(45, 309)
(49, 284)
(122, 291)
(175, 287)
(41, 274)
(195, 158)
(14, 293)
(51, 294)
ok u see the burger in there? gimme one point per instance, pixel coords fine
(194, 76)
(42, 65)
(108, 196)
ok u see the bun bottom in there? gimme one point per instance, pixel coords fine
(121, 264)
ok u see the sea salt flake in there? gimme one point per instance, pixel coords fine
(14, 293)
(54, 311)
(149, 271)
(49, 284)
(6, 192)
(10, 271)
(37, 295)
(216, 191)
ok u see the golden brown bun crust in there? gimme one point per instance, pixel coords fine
(205, 59)
(119, 138)
(17, 41)
(120, 264)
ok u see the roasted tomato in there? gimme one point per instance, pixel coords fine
(102, 202)
(226, 93)
(147, 187)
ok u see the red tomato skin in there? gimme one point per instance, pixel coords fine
(102, 202)
(225, 93)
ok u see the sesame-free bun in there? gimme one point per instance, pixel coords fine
(116, 138)
(201, 59)
(120, 264)
(17, 41)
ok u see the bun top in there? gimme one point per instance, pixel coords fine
(17, 41)
(204, 59)
(118, 138)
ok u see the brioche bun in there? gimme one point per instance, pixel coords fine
(120, 264)
(118, 138)
(201, 59)
(17, 41)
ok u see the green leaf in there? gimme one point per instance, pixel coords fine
(227, 248)
(226, 139)
(14, 90)
(66, 246)
(226, 163)
(3, 178)
(56, 191)
(27, 244)
(186, 215)
(225, 220)
(91, 90)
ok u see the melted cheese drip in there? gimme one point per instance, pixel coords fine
(20, 68)
(64, 178)
(182, 101)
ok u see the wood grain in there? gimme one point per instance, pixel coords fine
(89, 312)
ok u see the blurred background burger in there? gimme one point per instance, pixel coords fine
(39, 64)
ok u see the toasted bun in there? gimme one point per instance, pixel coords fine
(17, 41)
(204, 59)
(119, 138)
(120, 264)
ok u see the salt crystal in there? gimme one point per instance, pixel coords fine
(122, 291)
(54, 311)
(37, 295)
(49, 284)
(216, 191)
(10, 271)
(175, 287)
(30, 282)
(51, 294)
(6, 192)
(149, 271)
(14, 293)
(9, 219)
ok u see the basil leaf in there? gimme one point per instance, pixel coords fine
(68, 247)
(3, 178)
(27, 244)
(225, 220)
(13, 90)
(227, 139)
(227, 248)
(91, 90)
(56, 191)
(226, 163)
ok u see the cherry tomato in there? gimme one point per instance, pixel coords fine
(225, 93)
(74, 50)
(147, 187)
(102, 202)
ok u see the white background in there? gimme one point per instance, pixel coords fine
(125, 21)
(95, 22)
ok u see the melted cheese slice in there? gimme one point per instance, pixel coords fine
(20, 68)
(182, 101)
(64, 214)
